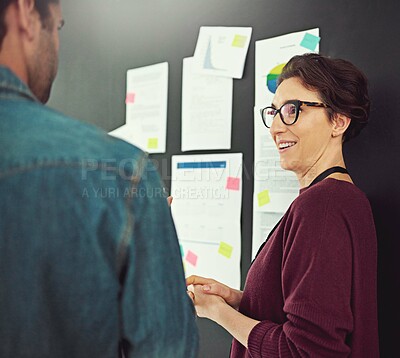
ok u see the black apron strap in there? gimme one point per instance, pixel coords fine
(328, 172)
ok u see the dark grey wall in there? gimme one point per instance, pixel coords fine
(104, 38)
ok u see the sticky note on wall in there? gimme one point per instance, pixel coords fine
(233, 183)
(152, 143)
(191, 257)
(263, 198)
(310, 41)
(130, 98)
(239, 41)
(225, 249)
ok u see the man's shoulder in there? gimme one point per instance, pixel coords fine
(87, 139)
(41, 133)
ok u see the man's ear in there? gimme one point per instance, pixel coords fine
(340, 123)
(27, 17)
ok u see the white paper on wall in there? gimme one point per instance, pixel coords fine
(206, 110)
(274, 188)
(146, 108)
(207, 192)
(222, 51)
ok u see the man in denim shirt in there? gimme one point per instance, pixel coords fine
(89, 258)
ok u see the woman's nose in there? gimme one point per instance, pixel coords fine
(277, 126)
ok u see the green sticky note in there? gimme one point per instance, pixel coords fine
(263, 198)
(182, 252)
(310, 41)
(239, 41)
(152, 143)
(225, 249)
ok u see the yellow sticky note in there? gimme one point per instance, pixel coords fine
(225, 249)
(263, 198)
(152, 143)
(239, 41)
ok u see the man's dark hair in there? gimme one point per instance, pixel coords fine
(340, 85)
(42, 7)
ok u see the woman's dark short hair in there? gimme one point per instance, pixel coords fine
(340, 85)
(42, 7)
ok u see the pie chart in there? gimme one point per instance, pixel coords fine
(273, 76)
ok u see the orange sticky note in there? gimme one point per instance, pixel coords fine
(191, 257)
(130, 98)
(233, 183)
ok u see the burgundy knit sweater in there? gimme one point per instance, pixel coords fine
(313, 285)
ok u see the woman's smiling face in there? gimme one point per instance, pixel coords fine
(304, 144)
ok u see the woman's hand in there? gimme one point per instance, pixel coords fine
(207, 306)
(211, 304)
(209, 286)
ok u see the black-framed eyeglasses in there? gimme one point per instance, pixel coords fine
(289, 112)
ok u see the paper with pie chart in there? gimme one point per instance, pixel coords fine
(272, 55)
(222, 51)
(274, 188)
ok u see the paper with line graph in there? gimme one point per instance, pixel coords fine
(222, 51)
(207, 192)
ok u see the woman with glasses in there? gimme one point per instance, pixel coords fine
(311, 290)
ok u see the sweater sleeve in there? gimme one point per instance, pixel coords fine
(316, 284)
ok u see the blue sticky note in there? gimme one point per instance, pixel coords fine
(310, 41)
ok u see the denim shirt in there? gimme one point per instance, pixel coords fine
(89, 258)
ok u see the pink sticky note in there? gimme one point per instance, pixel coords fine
(191, 258)
(130, 98)
(233, 183)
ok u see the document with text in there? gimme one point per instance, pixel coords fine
(206, 110)
(207, 192)
(146, 108)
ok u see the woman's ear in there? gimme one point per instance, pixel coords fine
(340, 123)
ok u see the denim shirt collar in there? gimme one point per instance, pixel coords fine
(12, 87)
